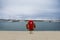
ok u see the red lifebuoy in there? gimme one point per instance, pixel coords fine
(30, 25)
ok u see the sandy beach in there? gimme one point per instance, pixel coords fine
(24, 35)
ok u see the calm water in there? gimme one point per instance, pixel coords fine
(20, 26)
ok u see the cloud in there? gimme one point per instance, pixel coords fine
(27, 9)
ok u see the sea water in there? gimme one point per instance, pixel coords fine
(21, 26)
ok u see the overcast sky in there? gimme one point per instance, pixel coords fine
(29, 9)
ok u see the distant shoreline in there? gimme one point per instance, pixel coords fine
(8, 20)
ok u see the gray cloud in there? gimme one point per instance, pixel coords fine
(27, 9)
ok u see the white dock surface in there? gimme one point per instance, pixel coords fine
(24, 35)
